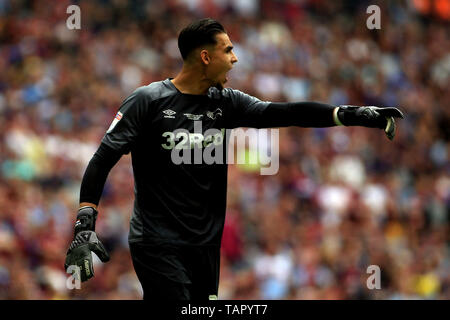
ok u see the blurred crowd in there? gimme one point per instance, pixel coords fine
(344, 198)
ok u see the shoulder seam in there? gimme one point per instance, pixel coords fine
(155, 94)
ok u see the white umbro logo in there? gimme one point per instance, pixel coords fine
(169, 113)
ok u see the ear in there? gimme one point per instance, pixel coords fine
(204, 55)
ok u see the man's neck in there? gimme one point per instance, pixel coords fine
(191, 81)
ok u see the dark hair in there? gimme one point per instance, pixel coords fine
(198, 33)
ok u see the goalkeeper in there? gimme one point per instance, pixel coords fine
(179, 210)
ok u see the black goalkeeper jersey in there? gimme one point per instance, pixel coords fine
(180, 204)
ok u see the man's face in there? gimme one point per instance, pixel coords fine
(222, 59)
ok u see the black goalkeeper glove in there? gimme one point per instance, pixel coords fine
(85, 240)
(368, 116)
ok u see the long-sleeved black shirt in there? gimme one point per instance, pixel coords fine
(183, 204)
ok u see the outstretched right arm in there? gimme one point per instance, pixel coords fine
(85, 238)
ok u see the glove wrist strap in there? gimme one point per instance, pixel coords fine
(86, 218)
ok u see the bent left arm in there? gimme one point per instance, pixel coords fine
(318, 115)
